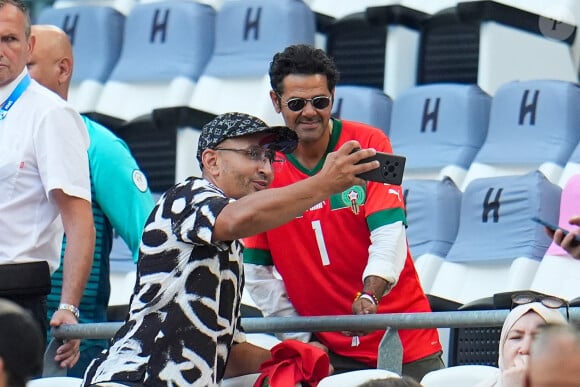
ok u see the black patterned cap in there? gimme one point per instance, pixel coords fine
(234, 124)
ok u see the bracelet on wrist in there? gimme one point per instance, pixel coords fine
(367, 296)
(71, 308)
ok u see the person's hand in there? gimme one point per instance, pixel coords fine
(568, 242)
(68, 353)
(340, 168)
(516, 376)
(361, 306)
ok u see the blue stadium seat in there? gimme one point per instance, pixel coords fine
(363, 104)
(96, 34)
(166, 48)
(248, 34)
(533, 125)
(499, 43)
(433, 218)
(498, 247)
(439, 128)
(123, 6)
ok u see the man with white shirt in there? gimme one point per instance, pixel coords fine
(44, 186)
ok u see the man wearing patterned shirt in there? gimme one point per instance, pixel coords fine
(183, 327)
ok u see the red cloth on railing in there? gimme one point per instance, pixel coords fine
(293, 362)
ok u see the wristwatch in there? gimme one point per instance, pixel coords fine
(71, 308)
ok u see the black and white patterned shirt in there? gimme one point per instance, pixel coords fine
(184, 313)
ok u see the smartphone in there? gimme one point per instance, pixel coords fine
(389, 172)
(552, 227)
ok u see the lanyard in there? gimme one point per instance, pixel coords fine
(16, 93)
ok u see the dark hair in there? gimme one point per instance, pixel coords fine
(21, 6)
(403, 381)
(21, 344)
(301, 59)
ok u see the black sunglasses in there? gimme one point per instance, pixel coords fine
(297, 104)
(548, 301)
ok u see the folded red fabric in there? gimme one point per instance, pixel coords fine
(293, 362)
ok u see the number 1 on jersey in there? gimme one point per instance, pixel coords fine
(320, 242)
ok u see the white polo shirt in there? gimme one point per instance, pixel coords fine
(43, 146)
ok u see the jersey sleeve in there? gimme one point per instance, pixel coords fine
(257, 251)
(120, 187)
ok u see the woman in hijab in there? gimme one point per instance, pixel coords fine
(518, 331)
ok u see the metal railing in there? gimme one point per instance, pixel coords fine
(390, 349)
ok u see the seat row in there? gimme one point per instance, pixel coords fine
(471, 245)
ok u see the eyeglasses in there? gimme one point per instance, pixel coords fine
(255, 153)
(548, 301)
(297, 104)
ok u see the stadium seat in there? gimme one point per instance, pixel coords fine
(96, 34)
(533, 125)
(376, 47)
(55, 381)
(363, 104)
(498, 43)
(498, 247)
(123, 6)
(248, 34)
(166, 48)
(356, 378)
(433, 218)
(439, 128)
(459, 376)
(559, 274)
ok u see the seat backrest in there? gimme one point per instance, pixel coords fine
(356, 378)
(248, 34)
(369, 105)
(533, 125)
(96, 34)
(459, 376)
(123, 6)
(439, 128)
(376, 47)
(559, 273)
(433, 208)
(55, 381)
(498, 247)
(499, 43)
(433, 218)
(165, 49)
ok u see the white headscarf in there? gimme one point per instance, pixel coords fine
(549, 315)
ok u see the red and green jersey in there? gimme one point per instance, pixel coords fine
(322, 254)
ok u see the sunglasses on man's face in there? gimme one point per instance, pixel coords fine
(548, 301)
(297, 104)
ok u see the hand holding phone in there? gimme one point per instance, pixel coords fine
(390, 170)
(552, 227)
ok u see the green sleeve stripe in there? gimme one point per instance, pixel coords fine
(384, 217)
(258, 257)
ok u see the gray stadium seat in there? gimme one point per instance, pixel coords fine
(369, 105)
(498, 247)
(439, 128)
(96, 34)
(433, 219)
(533, 125)
(491, 43)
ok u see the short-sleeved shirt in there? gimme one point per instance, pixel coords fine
(43, 146)
(184, 313)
